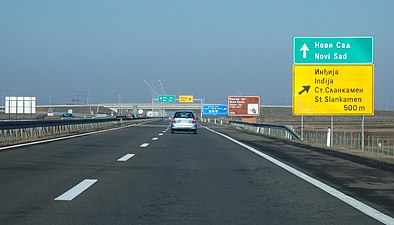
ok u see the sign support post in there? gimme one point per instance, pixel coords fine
(302, 127)
(333, 76)
(362, 133)
(332, 130)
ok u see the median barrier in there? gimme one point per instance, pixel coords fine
(12, 132)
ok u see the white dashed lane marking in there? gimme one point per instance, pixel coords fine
(155, 139)
(144, 145)
(125, 158)
(76, 190)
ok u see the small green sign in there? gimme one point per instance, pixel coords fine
(333, 50)
(166, 98)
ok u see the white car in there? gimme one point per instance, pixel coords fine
(184, 121)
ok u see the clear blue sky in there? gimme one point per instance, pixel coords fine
(209, 49)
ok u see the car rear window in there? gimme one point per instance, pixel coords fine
(184, 115)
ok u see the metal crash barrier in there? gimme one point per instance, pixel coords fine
(12, 132)
(280, 131)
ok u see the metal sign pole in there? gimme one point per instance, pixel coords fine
(302, 127)
(332, 129)
(362, 133)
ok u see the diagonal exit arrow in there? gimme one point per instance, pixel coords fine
(306, 88)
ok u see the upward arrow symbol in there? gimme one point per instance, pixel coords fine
(304, 49)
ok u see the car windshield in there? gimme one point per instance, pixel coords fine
(184, 115)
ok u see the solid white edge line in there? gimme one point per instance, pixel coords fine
(76, 190)
(364, 208)
(125, 158)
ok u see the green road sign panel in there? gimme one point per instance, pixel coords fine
(166, 98)
(333, 50)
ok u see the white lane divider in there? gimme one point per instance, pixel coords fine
(76, 190)
(155, 139)
(161, 134)
(364, 208)
(144, 145)
(125, 158)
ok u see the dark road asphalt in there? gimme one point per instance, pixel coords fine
(182, 178)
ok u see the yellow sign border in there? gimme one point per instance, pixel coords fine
(318, 108)
(185, 98)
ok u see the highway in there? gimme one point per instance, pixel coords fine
(143, 174)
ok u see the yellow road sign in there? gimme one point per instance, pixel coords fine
(333, 90)
(186, 98)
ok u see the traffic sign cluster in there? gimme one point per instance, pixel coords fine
(172, 98)
(333, 76)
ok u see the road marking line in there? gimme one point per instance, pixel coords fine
(125, 158)
(155, 139)
(364, 208)
(144, 145)
(76, 190)
(152, 125)
(161, 134)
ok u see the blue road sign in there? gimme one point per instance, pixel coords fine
(214, 110)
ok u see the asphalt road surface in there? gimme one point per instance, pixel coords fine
(144, 175)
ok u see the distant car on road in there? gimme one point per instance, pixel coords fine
(184, 121)
(100, 115)
(67, 116)
(121, 117)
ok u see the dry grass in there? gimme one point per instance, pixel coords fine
(379, 128)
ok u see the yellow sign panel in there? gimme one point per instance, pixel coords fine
(186, 98)
(333, 90)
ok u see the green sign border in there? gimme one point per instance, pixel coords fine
(169, 97)
(361, 52)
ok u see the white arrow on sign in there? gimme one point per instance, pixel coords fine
(304, 49)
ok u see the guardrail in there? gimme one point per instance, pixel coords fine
(12, 132)
(15, 124)
(280, 131)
